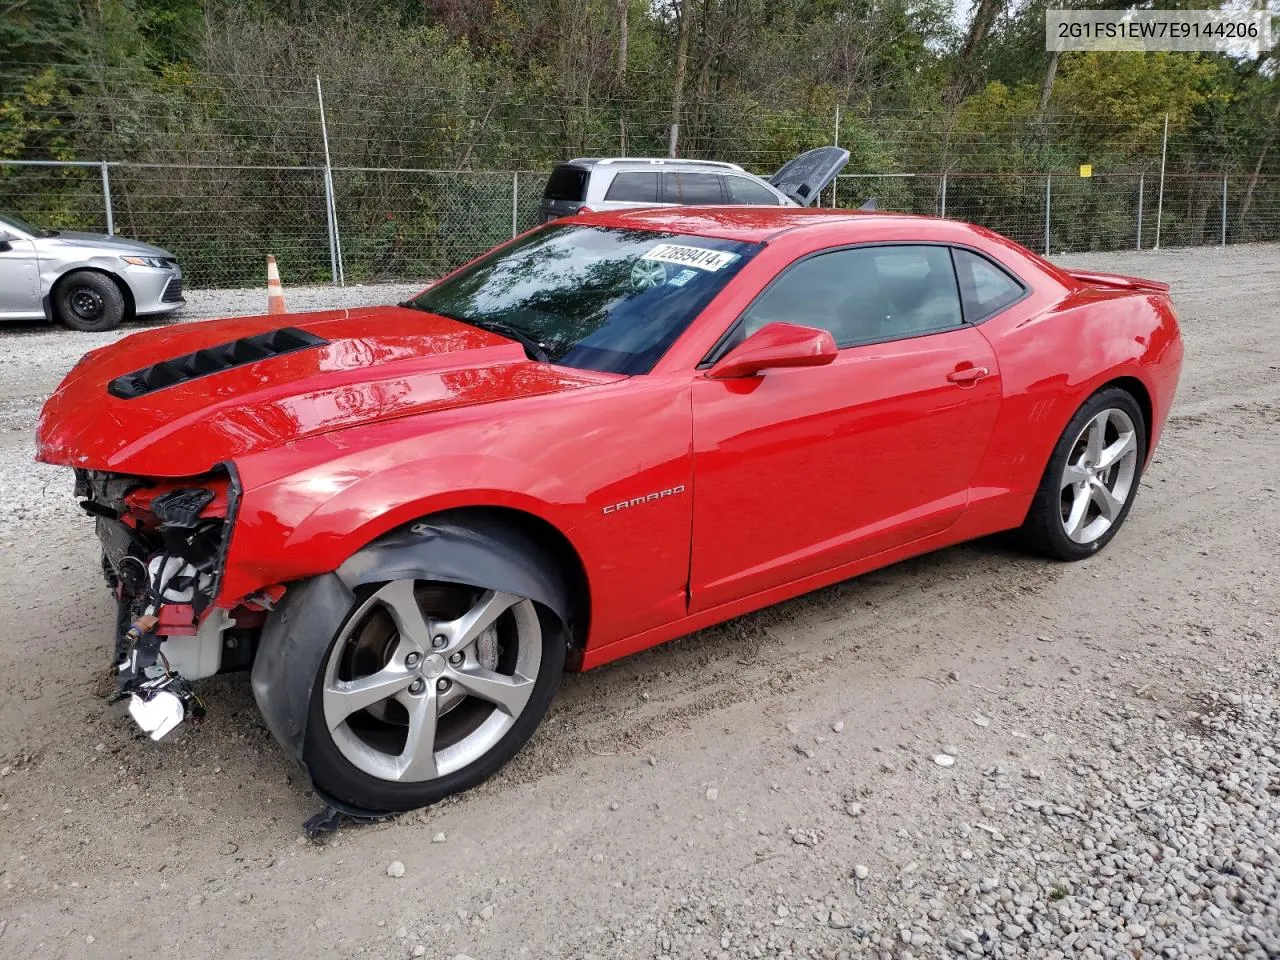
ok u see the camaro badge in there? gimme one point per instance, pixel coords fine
(647, 498)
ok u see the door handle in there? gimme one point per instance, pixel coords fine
(968, 375)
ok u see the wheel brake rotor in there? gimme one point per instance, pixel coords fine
(376, 641)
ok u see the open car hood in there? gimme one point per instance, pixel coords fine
(175, 401)
(804, 178)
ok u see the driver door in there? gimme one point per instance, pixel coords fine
(797, 471)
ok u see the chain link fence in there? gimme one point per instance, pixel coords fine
(415, 224)
(222, 221)
(1067, 213)
(373, 175)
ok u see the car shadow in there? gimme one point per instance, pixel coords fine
(132, 323)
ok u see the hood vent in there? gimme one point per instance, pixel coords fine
(210, 360)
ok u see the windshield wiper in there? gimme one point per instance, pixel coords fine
(535, 349)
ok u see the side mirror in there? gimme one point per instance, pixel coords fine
(5, 243)
(776, 345)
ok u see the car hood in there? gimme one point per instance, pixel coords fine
(339, 370)
(120, 246)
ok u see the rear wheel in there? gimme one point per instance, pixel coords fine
(427, 689)
(1092, 478)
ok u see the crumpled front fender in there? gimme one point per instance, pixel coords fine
(294, 641)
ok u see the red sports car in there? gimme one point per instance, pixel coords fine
(611, 431)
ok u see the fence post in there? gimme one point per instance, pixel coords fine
(1142, 178)
(943, 212)
(328, 224)
(330, 205)
(515, 199)
(106, 199)
(835, 143)
(1048, 209)
(1164, 152)
(1224, 209)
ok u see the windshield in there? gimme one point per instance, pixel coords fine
(17, 223)
(596, 298)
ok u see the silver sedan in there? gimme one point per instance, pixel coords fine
(86, 281)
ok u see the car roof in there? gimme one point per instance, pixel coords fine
(745, 223)
(651, 162)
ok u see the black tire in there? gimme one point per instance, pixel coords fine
(1044, 530)
(337, 779)
(88, 301)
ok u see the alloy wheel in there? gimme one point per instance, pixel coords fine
(1098, 477)
(426, 678)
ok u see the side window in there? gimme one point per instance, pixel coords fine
(691, 188)
(864, 294)
(987, 289)
(742, 190)
(634, 187)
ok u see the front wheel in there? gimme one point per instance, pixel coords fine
(1091, 480)
(88, 301)
(426, 690)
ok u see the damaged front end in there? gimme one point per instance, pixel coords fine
(164, 545)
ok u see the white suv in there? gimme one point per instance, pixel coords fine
(615, 183)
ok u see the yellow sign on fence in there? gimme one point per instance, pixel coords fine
(1086, 169)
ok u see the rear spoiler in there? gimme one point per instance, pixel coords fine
(1118, 281)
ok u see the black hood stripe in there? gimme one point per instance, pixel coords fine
(211, 360)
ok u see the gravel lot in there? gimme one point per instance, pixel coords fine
(769, 787)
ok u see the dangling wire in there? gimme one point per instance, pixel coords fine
(154, 595)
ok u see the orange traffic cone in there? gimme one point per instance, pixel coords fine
(275, 292)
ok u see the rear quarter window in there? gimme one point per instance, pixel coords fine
(566, 183)
(987, 288)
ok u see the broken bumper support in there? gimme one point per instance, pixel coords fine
(159, 698)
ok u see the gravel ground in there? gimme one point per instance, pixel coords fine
(972, 754)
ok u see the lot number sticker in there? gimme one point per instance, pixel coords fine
(683, 256)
